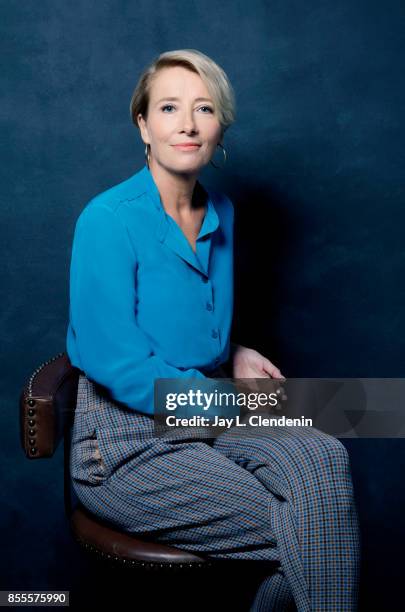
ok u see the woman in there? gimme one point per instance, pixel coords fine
(151, 296)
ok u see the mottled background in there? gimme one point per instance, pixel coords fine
(315, 171)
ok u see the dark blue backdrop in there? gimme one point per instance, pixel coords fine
(315, 164)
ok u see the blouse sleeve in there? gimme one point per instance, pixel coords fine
(113, 350)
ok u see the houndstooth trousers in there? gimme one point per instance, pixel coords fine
(284, 495)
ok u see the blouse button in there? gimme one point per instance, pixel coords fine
(204, 279)
(214, 333)
(209, 306)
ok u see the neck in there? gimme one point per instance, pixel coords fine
(177, 191)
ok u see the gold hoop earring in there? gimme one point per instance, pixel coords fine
(224, 152)
(147, 155)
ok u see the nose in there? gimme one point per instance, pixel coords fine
(188, 121)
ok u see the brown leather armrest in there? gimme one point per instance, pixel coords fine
(47, 405)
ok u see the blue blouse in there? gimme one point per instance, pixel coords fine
(143, 305)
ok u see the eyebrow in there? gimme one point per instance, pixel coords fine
(174, 98)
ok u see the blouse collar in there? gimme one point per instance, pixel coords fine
(169, 232)
(211, 220)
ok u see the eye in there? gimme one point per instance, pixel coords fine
(210, 110)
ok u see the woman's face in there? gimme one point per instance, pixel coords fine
(188, 117)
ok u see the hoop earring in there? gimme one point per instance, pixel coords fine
(147, 155)
(224, 152)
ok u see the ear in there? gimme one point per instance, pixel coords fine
(143, 128)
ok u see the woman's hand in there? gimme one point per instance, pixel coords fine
(248, 363)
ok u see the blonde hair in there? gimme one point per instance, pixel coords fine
(213, 76)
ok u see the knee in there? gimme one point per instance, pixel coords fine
(288, 448)
(321, 447)
(332, 455)
(334, 447)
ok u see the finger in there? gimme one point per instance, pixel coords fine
(272, 370)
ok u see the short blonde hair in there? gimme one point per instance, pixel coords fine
(213, 76)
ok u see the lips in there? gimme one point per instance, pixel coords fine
(191, 146)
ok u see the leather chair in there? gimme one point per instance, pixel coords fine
(47, 407)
